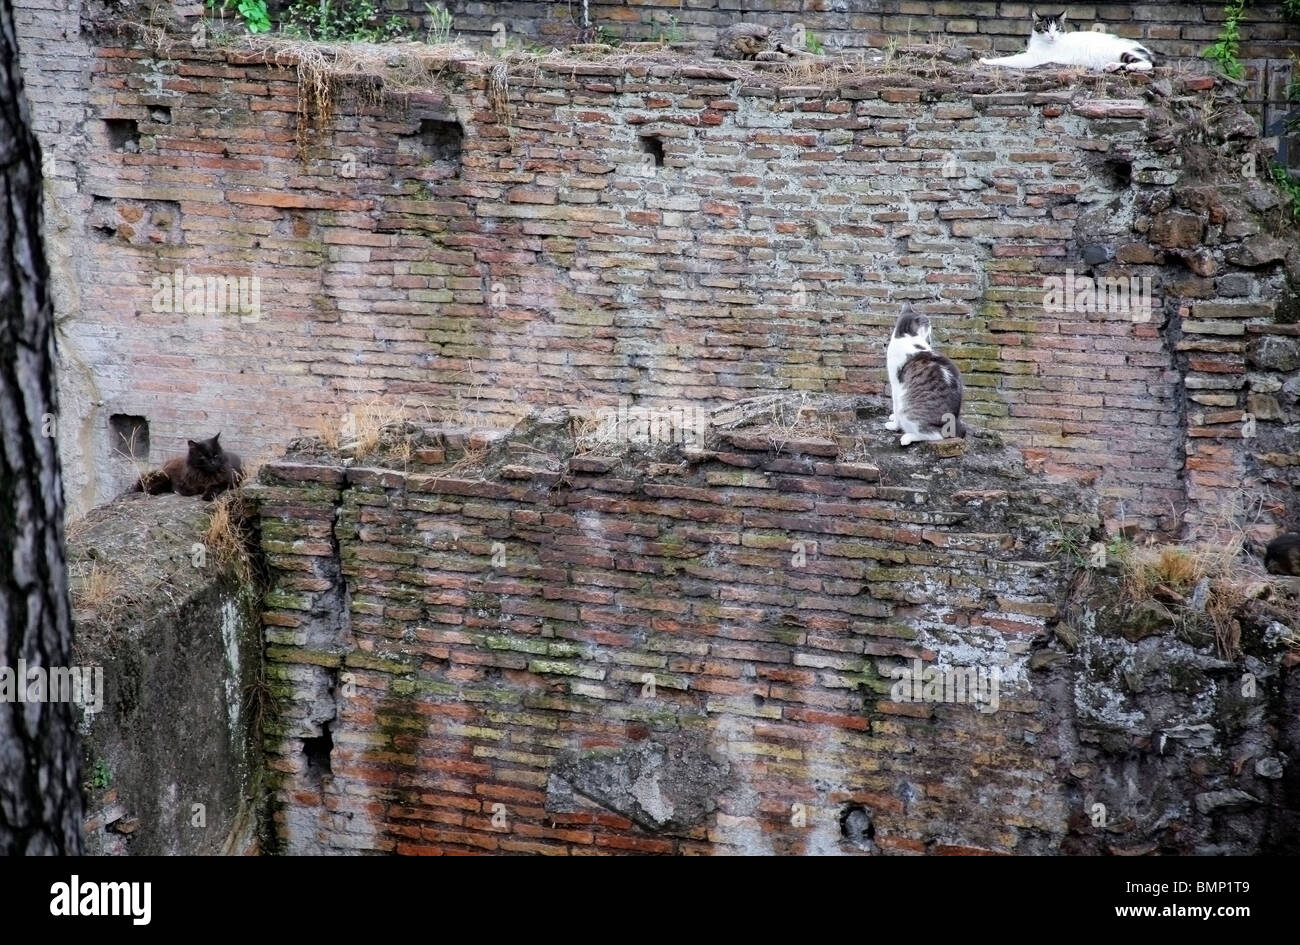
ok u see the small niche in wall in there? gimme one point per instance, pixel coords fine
(1120, 173)
(442, 141)
(102, 219)
(652, 146)
(317, 752)
(123, 134)
(149, 223)
(856, 826)
(129, 436)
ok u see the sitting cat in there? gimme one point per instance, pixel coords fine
(1282, 556)
(925, 386)
(206, 471)
(1049, 42)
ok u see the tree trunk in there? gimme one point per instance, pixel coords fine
(40, 794)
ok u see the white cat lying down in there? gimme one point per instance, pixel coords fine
(1049, 42)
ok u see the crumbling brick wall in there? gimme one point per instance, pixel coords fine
(674, 231)
(504, 647)
(1173, 29)
(490, 649)
(1179, 32)
(433, 247)
(171, 749)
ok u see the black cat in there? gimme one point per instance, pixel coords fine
(206, 471)
(1282, 556)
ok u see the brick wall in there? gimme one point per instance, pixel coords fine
(1178, 31)
(486, 643)
(1174, 29)
(488, 652)
(57, 62)
(546, 256)
(553, 261)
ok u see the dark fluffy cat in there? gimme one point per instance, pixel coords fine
(207, 471)
(1282, 556)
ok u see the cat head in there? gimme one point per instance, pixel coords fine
(206, 455)
(1047, 27)
(912, 326)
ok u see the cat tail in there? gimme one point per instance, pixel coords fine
(962, 429)
(154, 483)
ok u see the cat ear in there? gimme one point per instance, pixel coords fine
(192, 444)
(215, 438)
(1033, 16)
(1062, 19)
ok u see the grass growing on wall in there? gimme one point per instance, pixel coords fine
(341, 20)
(1290, 189)
(253, 13)
(1224, 52)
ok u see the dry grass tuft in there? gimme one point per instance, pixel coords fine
(1175, 567)
(95, 588)
(594, 435)
(1210, 581)
(472, 459)
(102, 594)
(499, 91)
(373, 69)
(141, 466)
(362, 430)
(655, 429)
(224, 537)
(259, 703)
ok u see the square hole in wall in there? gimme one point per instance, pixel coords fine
(123, 134)
(129, 435)
(1120, 173)
(442, 140)
(653, 145)
(317, 752)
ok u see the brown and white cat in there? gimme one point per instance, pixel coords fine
(925, 386)
(206, 470)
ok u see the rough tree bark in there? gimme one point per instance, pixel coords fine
(40, 794)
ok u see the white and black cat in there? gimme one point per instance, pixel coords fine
(925, 386)
(1049, 42)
